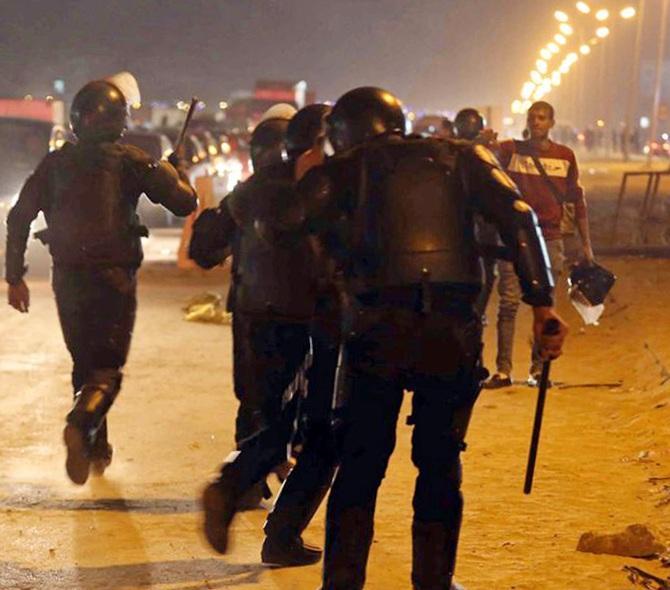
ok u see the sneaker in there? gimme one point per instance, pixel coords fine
(219, 508)
(288, 552)
(534, 380)
(497, 381)
(78, 461)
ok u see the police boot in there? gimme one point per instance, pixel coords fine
(84, 420)
(433, 556)
(298, 500)
(348, 540)
(102, 451)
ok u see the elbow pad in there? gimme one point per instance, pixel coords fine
(516, 221)
(531, 260)
(163, 185)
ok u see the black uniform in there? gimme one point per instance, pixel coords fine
(88, 194)
(397, 215)
(274, 298)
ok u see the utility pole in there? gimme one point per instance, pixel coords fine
(660, 54)
(634, 87)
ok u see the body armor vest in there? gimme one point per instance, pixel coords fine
(275, 269)
(412, 223)
(91, 222)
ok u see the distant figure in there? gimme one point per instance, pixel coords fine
(548, 178)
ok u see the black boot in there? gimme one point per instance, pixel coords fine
(102, 451)
(289, 551)
(88, 413)
(219, 503)
(348, 539)
(433, 556)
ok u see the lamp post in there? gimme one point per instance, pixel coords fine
(633, 89)
(653, 129)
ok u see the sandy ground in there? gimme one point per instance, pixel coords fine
(138, 526)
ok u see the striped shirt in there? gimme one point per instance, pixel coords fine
(561, 167)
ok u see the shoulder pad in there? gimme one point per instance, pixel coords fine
(486, 155)
(136, 155)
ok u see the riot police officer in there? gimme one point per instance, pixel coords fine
(274, 298)
(218, 233)
(396, 215)
(309, 481)
(88, 193)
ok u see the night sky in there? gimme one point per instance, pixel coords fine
(436, 54)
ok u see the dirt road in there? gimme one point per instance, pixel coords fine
(173, 423)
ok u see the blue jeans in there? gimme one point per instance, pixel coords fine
(509, 291)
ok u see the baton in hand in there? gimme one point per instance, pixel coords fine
(551, 328)
(187, 121)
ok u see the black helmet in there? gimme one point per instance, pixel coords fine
(99, 112)
(267, 142)
(304, 129)
(364, 113)
(469, 123)
(590, 284)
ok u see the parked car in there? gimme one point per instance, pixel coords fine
(23, 144)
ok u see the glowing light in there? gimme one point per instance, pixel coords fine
(644, 122)
(556, 78)
(584, 50)
(536, 77)
(583, 7)
(602, 32)
(560, 39)
(516, 107)
(28, 97)
(561, 16)
(571, 57)
(566, 29)
(546, 54)
(564, 68)
(603, 14)
(553, 48)
(628, 12)
(49, 98)
(600, 123)
(527, 90)
(525, 105)
(223, 105)
(541, 66)
(137, 105)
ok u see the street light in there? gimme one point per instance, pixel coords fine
(602, 15)
(583, 7)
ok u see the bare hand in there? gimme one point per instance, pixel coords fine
(18, 296)
(550, 345)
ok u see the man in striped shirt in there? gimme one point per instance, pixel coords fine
(548, 178)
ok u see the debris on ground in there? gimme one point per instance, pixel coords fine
(207, 307)
(636, 541)
(646, 580)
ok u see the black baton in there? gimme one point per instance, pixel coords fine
(551, 328)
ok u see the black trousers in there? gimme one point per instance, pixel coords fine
(310, 479)
(388, 350)
(96, 309)
(271, 356)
